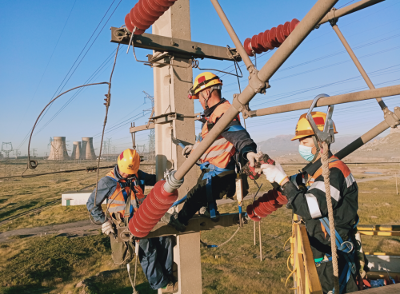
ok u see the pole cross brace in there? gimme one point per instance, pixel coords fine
(255, 83)
(392, 118)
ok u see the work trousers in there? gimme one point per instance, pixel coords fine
(156, 259)
(155, 256)
(197, 196)
(325, 273)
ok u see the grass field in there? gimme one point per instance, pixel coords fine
(50, 264)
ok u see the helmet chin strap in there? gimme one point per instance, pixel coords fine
(317, 147)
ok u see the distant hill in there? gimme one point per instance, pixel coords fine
(386, 148)
(380, 149)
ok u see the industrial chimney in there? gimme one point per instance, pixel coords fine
(87, 148)
(76, 151)
(58, 149)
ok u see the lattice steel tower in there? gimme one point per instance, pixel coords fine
(6, 147)
(152, 136)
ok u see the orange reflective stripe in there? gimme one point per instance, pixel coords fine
(338, 164)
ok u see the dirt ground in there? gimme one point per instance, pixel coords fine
(49, 248)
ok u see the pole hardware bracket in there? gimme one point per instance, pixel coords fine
(327, 135)
(167, 117)
(237, 104)
(332, 18)
(255, 83)
(392, 118)
(159, 59)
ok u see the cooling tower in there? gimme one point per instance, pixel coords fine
(87, 148)
(58, 149)
(77, 151)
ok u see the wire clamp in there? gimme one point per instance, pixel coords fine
(392, 118)
(255, 83)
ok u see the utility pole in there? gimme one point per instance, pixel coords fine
(171, 85)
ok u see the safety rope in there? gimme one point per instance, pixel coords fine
(326, 173)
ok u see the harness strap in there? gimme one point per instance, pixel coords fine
(346, 250)
(212, 172)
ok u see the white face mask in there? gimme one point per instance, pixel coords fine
(306, 152)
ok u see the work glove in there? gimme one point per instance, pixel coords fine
(252, 158)
(274, 173)
(186, 151)
(107, 228)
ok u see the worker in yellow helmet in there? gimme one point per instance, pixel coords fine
(218, 162)
(305, 193)
(123, 189)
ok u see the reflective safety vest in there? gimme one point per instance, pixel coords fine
(334, 162)
(117, 200)
(221, 151)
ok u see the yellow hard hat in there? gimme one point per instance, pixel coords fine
(202, 81)
(303, 127)
(128, 161)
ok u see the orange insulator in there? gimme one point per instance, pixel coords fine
(156, 204)
(269, 39)
(145, 13)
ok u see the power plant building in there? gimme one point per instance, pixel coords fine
(77, 151)
(58, 149)
(88, 149)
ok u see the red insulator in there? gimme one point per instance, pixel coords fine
(265, 205)
(145, 13)
(269, 39)
(250, 213)
(247, 47)
(156, 204)
(279, 34)
(266, 43)
(286, 29)
(293, 24)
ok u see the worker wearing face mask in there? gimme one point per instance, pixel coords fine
(306, 196)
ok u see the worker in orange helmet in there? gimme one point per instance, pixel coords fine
(218, 163)
(123, 189)
(306, 196)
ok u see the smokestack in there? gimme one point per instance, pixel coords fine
(87, 148)
(58, 149)
(77, 151)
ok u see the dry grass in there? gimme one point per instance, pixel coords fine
(56, 264)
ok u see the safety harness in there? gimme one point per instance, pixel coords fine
(129, 210)
(346, 249)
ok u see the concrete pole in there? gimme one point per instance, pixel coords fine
(171, 85)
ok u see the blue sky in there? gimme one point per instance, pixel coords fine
(42, 41)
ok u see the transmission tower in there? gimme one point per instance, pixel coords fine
(6, 147)
(152, 136)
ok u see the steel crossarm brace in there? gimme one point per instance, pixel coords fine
(304, 28)
(196, 224)
(349, 9)
(141, 128)
(185, 48)
(333, 100)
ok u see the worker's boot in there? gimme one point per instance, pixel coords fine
(172, 220)
(171, 287)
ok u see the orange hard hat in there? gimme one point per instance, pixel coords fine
(303, 127)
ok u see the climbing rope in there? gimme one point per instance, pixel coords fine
(326, 173)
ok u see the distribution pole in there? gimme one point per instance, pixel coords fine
(171, 85)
